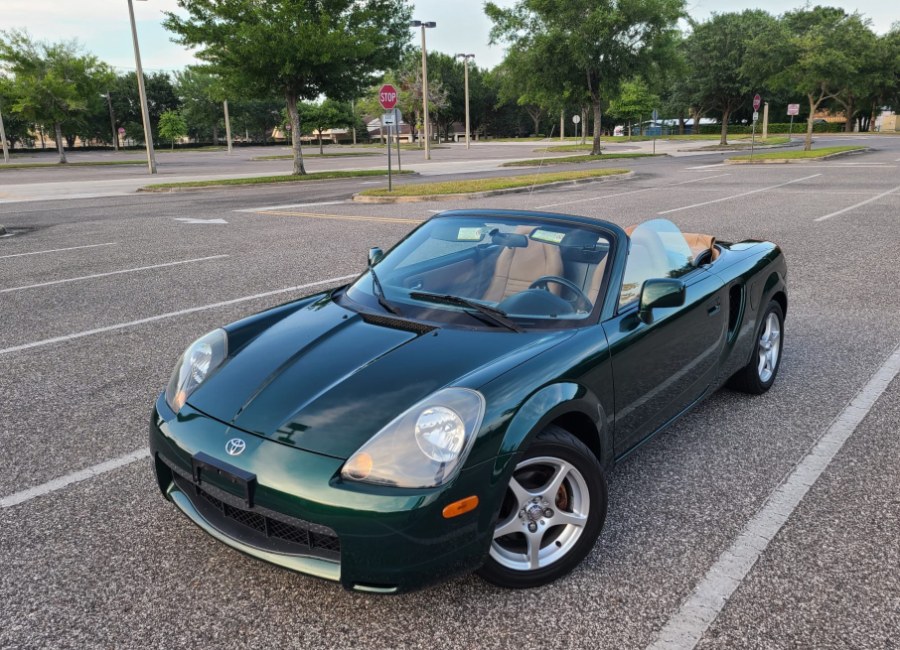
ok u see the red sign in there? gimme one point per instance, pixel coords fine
(757, 102)
(793, 109)
(387, 96)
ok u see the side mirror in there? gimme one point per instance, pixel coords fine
(658, 293)
(375, 256)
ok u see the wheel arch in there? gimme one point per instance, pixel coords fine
(568, 405)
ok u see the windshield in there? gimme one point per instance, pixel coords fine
(527, 270)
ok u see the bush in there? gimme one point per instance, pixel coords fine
(799, 127)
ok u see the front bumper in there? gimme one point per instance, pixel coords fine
(300, 514)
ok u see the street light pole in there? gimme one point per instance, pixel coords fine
(423, 25)
(112, 121)
(465, 58)
(227, 125)
(145, 112)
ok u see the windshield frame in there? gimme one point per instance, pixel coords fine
(458, 317)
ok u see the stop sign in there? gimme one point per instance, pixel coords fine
(757, 102)
(387, 96)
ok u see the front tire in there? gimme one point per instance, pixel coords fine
(759, 374)
(552, 513)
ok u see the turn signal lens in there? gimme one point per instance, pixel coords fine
(359, 467)
(461, 507)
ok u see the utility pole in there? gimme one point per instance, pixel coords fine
(145, 112)
(562, 125)
(353, 112)
(3, 140)
(424, 25)
(465, 58)
(227, 126)
(112, 121)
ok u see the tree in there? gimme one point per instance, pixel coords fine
(52, 82)
(15, 126)
(201, 96)
(297, 48)
(607, 41)
(716, 51)
(807, 51)
(634, 101)
(172, 126)
(325, 115)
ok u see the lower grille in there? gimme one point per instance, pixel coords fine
(258, 527)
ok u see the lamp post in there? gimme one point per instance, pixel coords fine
(145, 112)
(112, 120)
(465, 58)
(424, 25)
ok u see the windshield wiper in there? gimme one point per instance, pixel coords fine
(491, 314)
(379, 293)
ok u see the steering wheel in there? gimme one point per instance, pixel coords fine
(581, 301)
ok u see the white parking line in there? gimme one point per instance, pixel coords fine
(646, 189)
(58, 250)
(103, 275)
(74, 477)
(173, 314)
(737, 196)
(292, 205)
(858, 205)
(686, 627)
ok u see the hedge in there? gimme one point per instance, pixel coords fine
(799, 127)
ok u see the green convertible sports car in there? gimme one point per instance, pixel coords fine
(458, 405)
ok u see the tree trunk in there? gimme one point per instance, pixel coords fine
(59, 143)
(321, 151)
(595, 104)
(535, 116)
(681, 125)
(848, 113)
(215, 135)
(813, 105)
(299, 169)
(723, 137)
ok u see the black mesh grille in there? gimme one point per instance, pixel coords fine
(258, 526)
(397, 323)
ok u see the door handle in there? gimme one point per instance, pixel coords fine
(712, 311)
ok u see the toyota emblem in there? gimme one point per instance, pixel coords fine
(235, 446)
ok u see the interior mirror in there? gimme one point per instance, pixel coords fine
(375, 255)
(658, 293)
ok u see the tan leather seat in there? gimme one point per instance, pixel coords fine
(700, 243)
(517, 268)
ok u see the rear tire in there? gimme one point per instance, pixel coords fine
(552, 513)
(759, 374)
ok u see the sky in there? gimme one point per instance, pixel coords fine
(101, 26)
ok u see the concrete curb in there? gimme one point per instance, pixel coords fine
(149, 189)
(358, 198)
(786, 161)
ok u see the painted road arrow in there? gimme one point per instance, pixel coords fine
(190, 220)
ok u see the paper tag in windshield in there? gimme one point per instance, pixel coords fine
(469, 234)
(548, 236)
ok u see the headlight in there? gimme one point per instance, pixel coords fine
(425, 446)
(198, 363)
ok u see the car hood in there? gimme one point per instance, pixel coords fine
(326, 379)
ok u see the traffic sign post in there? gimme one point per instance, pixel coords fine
(757, 102)
(387, 97)
(793, 109)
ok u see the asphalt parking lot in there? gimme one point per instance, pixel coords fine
(99, 296)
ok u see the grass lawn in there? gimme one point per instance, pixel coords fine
(577, 159)
(488, 184)
(101, 163)
(263, 180)
(800, 155)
